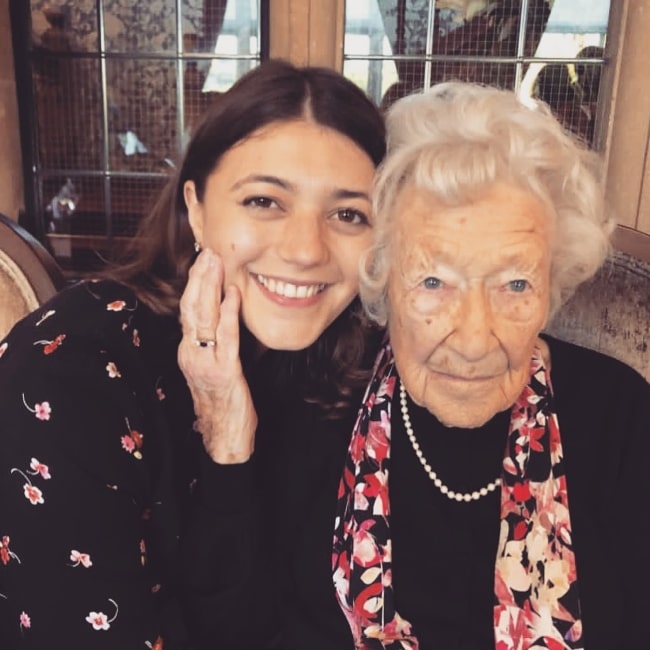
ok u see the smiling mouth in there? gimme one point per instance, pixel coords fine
(289, 290)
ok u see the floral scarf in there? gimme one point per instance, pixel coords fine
(535, 580)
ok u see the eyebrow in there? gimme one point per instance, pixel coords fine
(351, 194)
(262, 178)
(450, 259)
(339, 193)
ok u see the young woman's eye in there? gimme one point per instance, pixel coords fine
(348, 215)
(518, 286)
(432, 283)
(260, 202)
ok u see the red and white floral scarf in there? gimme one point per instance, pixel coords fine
(535, 580)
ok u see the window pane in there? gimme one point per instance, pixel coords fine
(115, 98)
(140, 26)
(70, 26)
(555, 51)
(68, 112)
(142, 114)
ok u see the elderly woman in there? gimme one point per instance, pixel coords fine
(496, 482)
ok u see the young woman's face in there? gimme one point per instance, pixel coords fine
(288, 211)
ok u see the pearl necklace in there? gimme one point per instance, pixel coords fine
(450, 494)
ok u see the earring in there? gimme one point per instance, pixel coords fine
(197, 247)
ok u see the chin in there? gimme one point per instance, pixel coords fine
(466, 420)
(466, 415)
(285, 341)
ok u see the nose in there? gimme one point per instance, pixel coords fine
(303, 241)
(473, 335)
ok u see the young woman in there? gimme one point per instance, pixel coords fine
(97, 426)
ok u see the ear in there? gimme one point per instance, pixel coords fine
(194, 210)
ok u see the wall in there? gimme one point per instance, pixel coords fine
(628, 144)
(11, 182)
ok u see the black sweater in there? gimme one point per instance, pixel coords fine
(97, 458)
(260, 552)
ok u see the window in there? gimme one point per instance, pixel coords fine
(551, 49)
(112, 88)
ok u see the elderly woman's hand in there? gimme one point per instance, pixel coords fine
(208, 355)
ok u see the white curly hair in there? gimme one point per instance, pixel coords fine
(456, 140)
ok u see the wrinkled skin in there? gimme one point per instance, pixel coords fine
(469, 293)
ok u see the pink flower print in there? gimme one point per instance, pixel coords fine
(366, 552)
(40, 468)
(136, 338)
(41, 410)
(80, 558)
(4, 551)
(99, 620)
(132, 442)
(378, 439)
(25, 621)
(32, 493)
(112, 370)
(6, 554)
(3, 348)
(116, 305)
(51, 346)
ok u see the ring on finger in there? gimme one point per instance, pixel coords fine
(205, 343)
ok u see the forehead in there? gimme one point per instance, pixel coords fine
(301, 131)
(297, 146)
(503, 220)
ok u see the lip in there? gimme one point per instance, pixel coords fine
(464, 379)
(313, 290)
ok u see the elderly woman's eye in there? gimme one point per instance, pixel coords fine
(432, 283)
(518, 286)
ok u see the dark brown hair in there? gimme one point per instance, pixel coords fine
(157, 261)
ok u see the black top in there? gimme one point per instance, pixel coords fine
(262, 564)
(96, 463)
(97, 460)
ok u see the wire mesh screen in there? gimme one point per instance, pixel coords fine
(117, 88)
(548, 49)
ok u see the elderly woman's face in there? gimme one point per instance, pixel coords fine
(468, 294)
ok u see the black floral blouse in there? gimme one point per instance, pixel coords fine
(96, 445)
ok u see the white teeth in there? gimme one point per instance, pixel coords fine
(288, 290)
